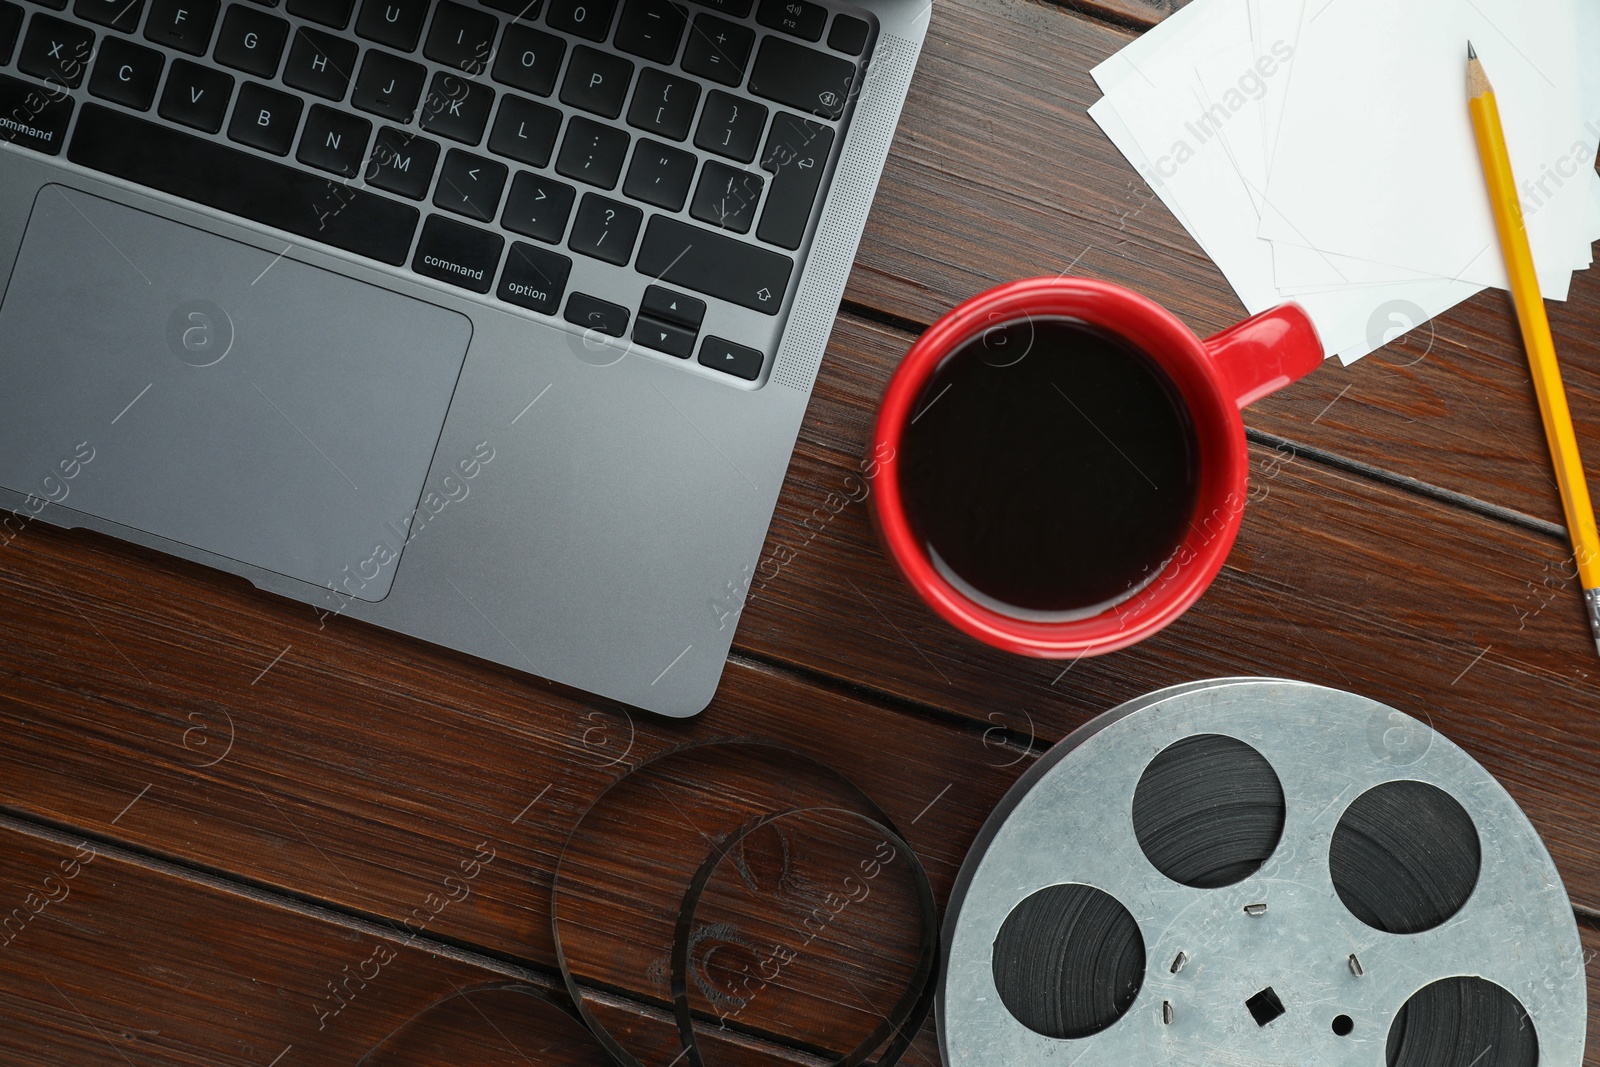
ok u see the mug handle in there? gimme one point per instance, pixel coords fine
(1265, 353)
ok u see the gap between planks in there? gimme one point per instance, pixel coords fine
(318, 910)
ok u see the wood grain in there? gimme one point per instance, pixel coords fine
(129, 964)
(364, 769)
(999, 173)
(294, 796)
(1472, 624)
(124, 961)
(345, 776)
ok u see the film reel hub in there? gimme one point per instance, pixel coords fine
(1315, 878)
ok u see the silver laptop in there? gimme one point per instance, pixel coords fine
(491, 322)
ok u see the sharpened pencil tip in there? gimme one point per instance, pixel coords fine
(1472, 53)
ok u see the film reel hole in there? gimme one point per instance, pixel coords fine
(1208, 811)
(1068, 961)
(1265, 1006)
(1404, 857)
(1343, 1024)
(1462, 1020)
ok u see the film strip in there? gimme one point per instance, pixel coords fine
(754, 890)
(766, 895)
(1257, 871)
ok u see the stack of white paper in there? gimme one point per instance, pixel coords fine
(1321, 151)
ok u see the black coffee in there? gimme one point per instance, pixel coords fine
(1050, 467)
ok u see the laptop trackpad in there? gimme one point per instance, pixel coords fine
(235, 401)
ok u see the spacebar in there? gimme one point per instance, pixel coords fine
(318, 209)
(713, 264)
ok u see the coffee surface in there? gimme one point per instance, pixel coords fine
(1049, 467)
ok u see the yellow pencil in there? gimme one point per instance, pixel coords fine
(1536, 337)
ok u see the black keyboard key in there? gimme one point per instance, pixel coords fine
(736, 9)
(33, 117)
(648, 28)
(213, 174)
(597, 314)
(396, 23)
(196, 96)
(335, 13)
(525, 131)
(126, 73)
(265, 118)
(730, 126)
(320, 63)
(56, 51)
(592, 152)
(707, 262)
(461, 37)
(665, 337)
(718, 49)
(118, 14)
(605, 229)
(596, 81)
(334, 141)
(10, 29)
(727, 197)
(660, 175)
(798, 17)
(534, 278)
(388, 86)
(522, 9)
(470, 185)
(56, 5)
(402, 162)
(582, 18)
(849, 35)
(251, 41)
(454, 252)
(668, 306)
(734, 359)
(456, 108)
(663, 104)
(182, 24)
(796, 154)
(528, 59)
(538, 207)
(802, 78)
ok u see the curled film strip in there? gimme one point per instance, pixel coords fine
(1259, 871)
(729, 879)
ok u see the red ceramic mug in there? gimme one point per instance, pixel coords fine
(1214, 378)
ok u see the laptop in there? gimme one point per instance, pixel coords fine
(489, 322)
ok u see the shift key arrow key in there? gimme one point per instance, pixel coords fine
(707, 262)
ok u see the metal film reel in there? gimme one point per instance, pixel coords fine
(1260, 872)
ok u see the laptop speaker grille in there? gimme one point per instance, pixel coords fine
(828, 270)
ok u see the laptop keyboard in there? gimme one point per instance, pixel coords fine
(670, 158)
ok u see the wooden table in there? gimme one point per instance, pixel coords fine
(268, 799)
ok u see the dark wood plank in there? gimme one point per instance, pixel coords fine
(129, 965)
(363, 768)
(133, 965)
(125, 961)
(1335, 579)
(999, 173)
(1133, 13)
(363, 763)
